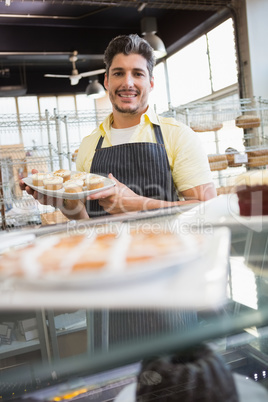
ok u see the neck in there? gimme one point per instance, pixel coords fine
(125, 120)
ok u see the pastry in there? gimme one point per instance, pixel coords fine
(217, 162)
(201, 127)
(93, 182)
(64, 173)
(96, 249)
(247, 121)
(80, 176)
(252, 191)
(38, 178)
(257, 152)
(53, 183)
(73, 186)
(74, 155)
(195, 374)
(256, 161)
(231, 158)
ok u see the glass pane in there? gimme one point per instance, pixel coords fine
(222, 55)
(47, 103)
(84, 102)
(9, 134)
(66, 103)
(27, 104)
(158, 96)
(189, 73)
(7, 105)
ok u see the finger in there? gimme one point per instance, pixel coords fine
(110, 175)
(101, 194)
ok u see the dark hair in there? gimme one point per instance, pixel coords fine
(129, 44)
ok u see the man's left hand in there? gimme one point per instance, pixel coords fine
(118, 199)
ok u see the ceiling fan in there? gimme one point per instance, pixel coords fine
(75, 76)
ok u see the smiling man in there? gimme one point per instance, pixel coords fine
(155, 161)
(152, 159)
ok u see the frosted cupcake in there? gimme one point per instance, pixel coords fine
(93, 182)
(252, 191)
(53, 183)
(73, 186)
(64, 173)
(79, 176)
(38, 178)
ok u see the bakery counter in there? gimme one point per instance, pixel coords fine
(214, 295)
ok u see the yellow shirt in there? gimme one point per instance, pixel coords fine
(188, 161)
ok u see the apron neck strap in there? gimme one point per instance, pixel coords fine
(157, 133)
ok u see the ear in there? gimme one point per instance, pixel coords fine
(152, 84)
(105, 82)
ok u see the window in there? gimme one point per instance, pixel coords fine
(222, 54)
(158, 96)
(188, 72)
(206, 65)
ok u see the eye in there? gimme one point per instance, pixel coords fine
(139, 74)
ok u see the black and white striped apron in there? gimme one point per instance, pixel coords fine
(143, 167)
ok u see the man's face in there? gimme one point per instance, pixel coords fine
(129, 83)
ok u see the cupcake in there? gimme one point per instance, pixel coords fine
(38, 178)
(93, 182)
(79, 176)
(252, 191)
(53, 183)
(64, 173)
(73, 186)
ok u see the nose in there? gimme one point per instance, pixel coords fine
(128, 80)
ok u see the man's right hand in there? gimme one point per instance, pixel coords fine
(28, 189)
(72, 209)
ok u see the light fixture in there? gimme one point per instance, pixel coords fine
(148, 30)
(95, 89)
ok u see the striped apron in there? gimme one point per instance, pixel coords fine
(143, 167)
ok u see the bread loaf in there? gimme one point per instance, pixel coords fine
(247, 121)
(201, 127)
(217, 162)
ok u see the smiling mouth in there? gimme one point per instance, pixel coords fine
(123, 95)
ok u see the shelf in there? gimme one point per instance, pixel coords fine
(19, 346)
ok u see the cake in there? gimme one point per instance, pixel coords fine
(73, 186)
(195, 374)
(252, 191)
(64, 173)
(247, 121)
(38, 178)
(53, 183)
(80, 176)
(93, 182)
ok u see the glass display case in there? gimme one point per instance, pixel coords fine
(218, 294)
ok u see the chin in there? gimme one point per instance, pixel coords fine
(126, 109)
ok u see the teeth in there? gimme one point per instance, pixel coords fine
(127, 96)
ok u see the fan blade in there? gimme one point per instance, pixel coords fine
(94, 72)
(56, 76)
(74, 79)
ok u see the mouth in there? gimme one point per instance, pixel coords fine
(127, 95)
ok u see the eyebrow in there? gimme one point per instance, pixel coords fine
(122, 69)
